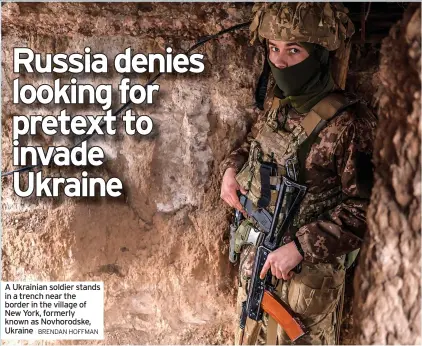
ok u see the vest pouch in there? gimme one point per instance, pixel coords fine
(250, 179)
(316, 290)
(249, 176)
(246, 234)
(245, 176)
(280, 144)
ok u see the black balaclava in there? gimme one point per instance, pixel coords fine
(307, 82)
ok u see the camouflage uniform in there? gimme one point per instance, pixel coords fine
(332, 218)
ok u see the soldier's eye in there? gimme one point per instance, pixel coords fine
(294, 51)
(274, 49)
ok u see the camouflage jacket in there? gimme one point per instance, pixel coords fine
(339, 160)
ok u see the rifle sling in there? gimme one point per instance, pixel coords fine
(265, 172)
(249, 334)
(271, 331)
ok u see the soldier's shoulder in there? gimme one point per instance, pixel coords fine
(356, 113)
(354, 122)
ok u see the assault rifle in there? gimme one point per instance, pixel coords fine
(261, 295)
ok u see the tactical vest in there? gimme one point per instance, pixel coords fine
(275, 146)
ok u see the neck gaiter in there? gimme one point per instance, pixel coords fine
(303, 85)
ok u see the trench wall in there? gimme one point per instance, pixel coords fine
(161, 249)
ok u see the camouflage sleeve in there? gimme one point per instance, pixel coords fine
(341, 229)
(238, 157)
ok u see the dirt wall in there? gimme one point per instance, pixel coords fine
(388, 278)
(161, 249)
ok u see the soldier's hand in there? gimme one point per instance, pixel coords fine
(282, 261)
(229, 188)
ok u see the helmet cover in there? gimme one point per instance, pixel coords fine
(326, 24)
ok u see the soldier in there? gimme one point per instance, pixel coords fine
(328, 136)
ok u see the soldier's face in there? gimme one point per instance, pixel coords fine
(284, 54)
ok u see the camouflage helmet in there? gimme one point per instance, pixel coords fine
(322, 23)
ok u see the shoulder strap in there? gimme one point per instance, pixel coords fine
(276, 103)
(317, 118)
(269, 100)
(326, 109)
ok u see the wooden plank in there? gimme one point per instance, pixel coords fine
(340, 64)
